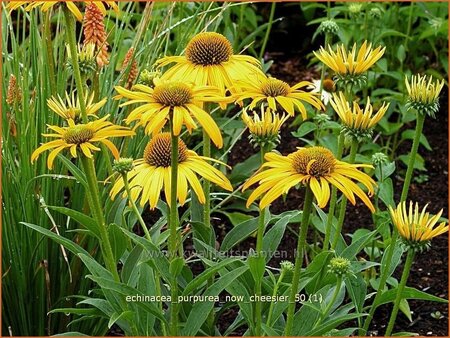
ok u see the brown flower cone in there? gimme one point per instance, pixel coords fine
(132, 75)
(94, 32)
(13, 93)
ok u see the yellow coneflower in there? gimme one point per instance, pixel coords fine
(315, 166)
(133, 71)
(357, 122)
(414, 226)
(264, 128)
(152, 173)
(209, 60)
(46, 5)
(273, 91)
(81, 137)
(70, 109)
(423, 94)
(171, 99)
(350, 63)
(328, 87)
(95, 33)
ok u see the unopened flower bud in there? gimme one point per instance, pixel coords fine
(123, 165)
(339, 266)
(329, 27)
(379, 159)
(287, 266)
(146, 78)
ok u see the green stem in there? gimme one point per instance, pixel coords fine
(96, 209)
(74, 58)
(412, 156)
(274, 294)
(269, 28)
(299, 260)
(401, 287)
(173, 236)
(206, 183)
(49, 47)
(160, 304)
(330, 304)
(390, 252)
(260, 252)
(333, 200)
(135, 209)
(353, 150)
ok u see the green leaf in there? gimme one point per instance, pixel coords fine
(176, 265)
(118, 241)
(408, 293)
(70, 334)
(241, 231)
(357, 245)
(79, 175)
(386, 192)
(404, 307)
(129, 266)
(257, 265)
(205, 275)
(357, 289)
(236, 217)
(401, 54)
(127, 315)
(332, 323)
(385, 171)
(419, 162)
(201, 310)
(243, 170)
(272, 238)
(410, 134)
(304, 129)
(88, 222)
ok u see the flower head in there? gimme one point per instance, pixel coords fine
(147, 78)
(70, 109)
(82, 137)
(314, 166)
(339, 266)
(287, 266)
(174, 100)
(423, 94)
(356, 122)
(379, 159)
(277, 94)
(209, 60)
(152, 173)
(86, 59)
(350, 65)
(328, 87)
(416, 228)
(95, 33)
(264, 129)
(123, 165)
(328, 27)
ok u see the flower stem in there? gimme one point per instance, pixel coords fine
(333, 200)
(330, 304)
(173, 235)
(135, 209)
(404, 196)
(49, 47)
(401, 287)
(275, 292)
(206, 183)
(299, 259)
(96, 209)
(260, 253)
(353, 150)
(269, 28)
(74, 58)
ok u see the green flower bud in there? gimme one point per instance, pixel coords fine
(123, 165)
(379, 159)
(146, 78)
(287, 266)
(329, 27)
(339, 266)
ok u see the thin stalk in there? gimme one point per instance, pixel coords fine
(206, 183)
(401, 287)
(299, 259)
(49, 47)
(160, 304)
(173, 236)
(96, 209)
(269, 28)
(333, 198)
(390, 253)
(260, 252)
(353, 150)
(74, 58)
(134, 207)
(275, 293)
(330, 304)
